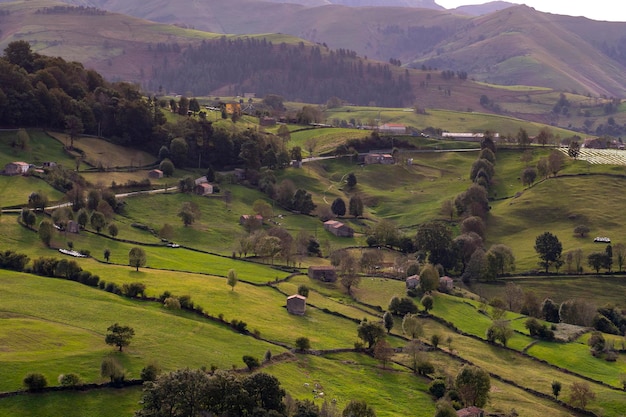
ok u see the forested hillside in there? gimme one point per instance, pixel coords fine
(308, 73)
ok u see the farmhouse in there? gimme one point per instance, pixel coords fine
(412, 282)
(323, 273)
(470, 412)
(204, 189)
(296, 304)
(338, 228)
(397, 128)
(16, 168)
(247, 217)
(446, 284)
(155, 174)
(378, 158)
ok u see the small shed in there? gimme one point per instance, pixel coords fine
(325, 273)
(155, 174)
(296, 304)
(16, 168)
(446, 284)
(248, 217)
(470, 412)
(49, 164)
(412, 282)
(204, 189)
(338, 228)
(378, 158)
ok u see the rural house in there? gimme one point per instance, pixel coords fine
(338, 228)
(412, 282)
(396, 128)
(296, 304)
(204, 189)
(16, 168)
(470, 412)
(445, 284)
(73, 227)
(378, 158)
(155, 174)
(323, 273)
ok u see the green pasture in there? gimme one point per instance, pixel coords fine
(40, 148)
(558, 205)
(109, 402)
(391, 392)
(55, 326)
(326, 139)
(259, 306)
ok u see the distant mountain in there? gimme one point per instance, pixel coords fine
(517, 45)
(482, 9)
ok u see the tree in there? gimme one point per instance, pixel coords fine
(35, 381)
(402, 306)
(445, 409)
(427, 301)
(232, 279)
(251, 362)
(544, 136)
(74, 127)
(370, 332)
(549, 249)
(167, 167)
(513, 297)
(107, 254)
(574, 149)
(351, 180)
(303, 290)
(97, 221)
(28, 217)
(499, 331)
(303, 344)
(556, 389)
(447, 208)
(137, 257)
(581, 230)
(388, 321)
(429, 278)
(411, 326)
(619, 250)
(500, 260)
(45, 232)
(348, 272)
(383, 352)
(555, 161)
(37, 200)
(189, 213)
(357, 408)
(119, 336)
(112, 369)
(263, 208)
(473, 385)
(529, 175)
(522, 138)
(338, 207)
(597, 260)
(355, 206)
(435, 239)
(581, 394)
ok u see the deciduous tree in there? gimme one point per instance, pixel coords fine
(232, 279)
(137, 257)
(473, 385)
(119, 336)
(549, 249)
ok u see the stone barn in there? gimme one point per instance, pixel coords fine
(16, 168)
(296, 304)
(155, 174)
(412, 282)
(323, 273)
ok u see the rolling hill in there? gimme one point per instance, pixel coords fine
(516, 45)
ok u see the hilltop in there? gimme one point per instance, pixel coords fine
(513, 46)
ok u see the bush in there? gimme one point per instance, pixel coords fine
(35, 382)
(437, 388)
(150, 372)
(425, 368)
(251, 362)
(69, 380)
(172, 303)
(303, 343)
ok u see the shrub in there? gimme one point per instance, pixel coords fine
(172, 303)
(35, 382)
(303, 343)
(150, 372)
(69, 380)
(425, 368)
(251, 362)
(437, 388)
(185, 302)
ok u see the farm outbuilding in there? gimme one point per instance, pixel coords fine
(155, 174)
(470, 412)
(204, 189)
(378, 158)
(412, 282)
(325, 273)
(16, 168)
(338, 228)
(296, 304)
(446, 284)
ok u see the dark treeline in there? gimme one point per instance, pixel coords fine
(294, 71)
(78, 10)
(50, 92)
